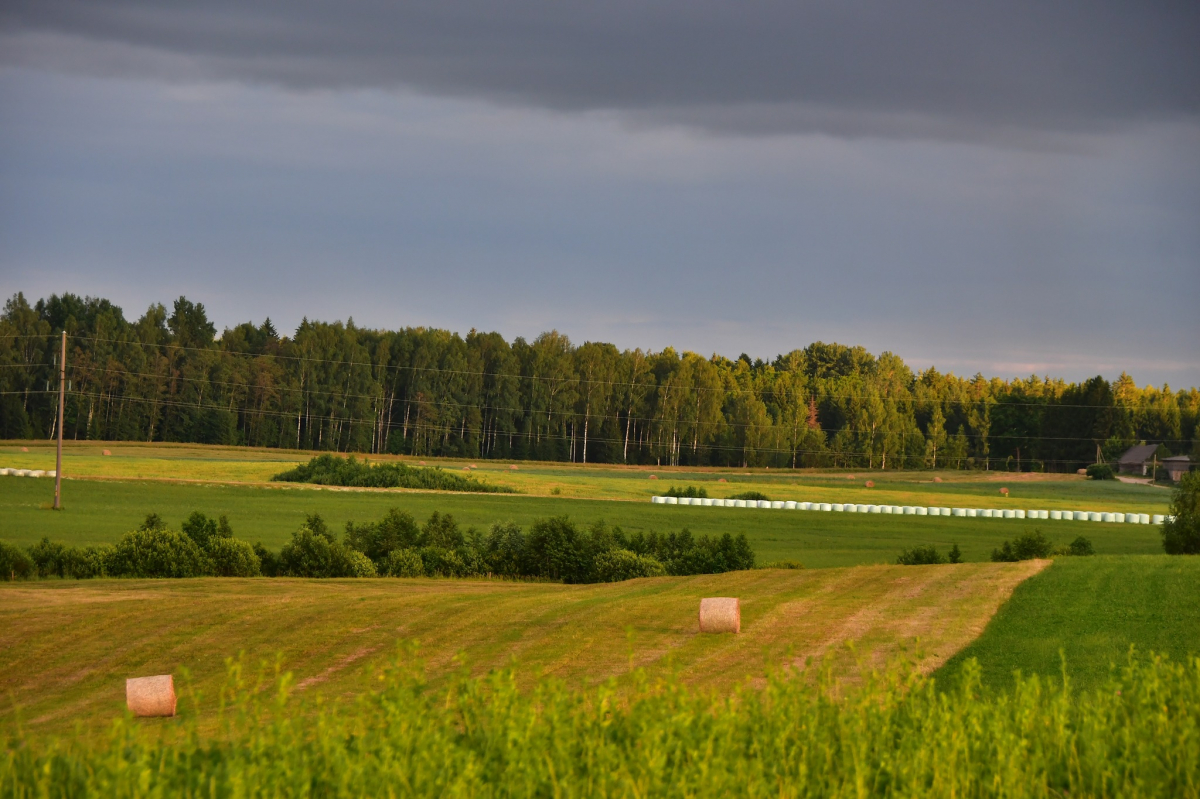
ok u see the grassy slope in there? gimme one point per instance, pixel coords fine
(248, 465)
(1093, 610)
(66, 647)
(100, 511)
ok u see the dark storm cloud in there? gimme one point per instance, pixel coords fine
(930, 68)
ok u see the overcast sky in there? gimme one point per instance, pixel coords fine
(1012, 191)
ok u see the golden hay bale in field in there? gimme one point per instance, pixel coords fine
(151, 696)
(937, 479)
(105, 452)
(513, 467)
(1004, 491)
(870, 484)
(654, 477)
(721, 614)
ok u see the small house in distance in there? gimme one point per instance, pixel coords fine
(1176, 467)
(1138, 460)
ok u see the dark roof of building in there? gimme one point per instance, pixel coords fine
(1176, 459)
(1139, 454)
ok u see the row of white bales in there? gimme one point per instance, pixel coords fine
(27, 473)
(918, 510)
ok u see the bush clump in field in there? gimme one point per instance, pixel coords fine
(1181, 533)
(315, 552)
(783, 564)
(15, 563)
(1081, 547)
(752, 495)
(921, 556)
(334, 471)
(1027, 546)
(895, 734)
(690, 492)
(552, 549)
(1101, 471)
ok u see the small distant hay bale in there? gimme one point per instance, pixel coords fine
(654, 477)
(24, 449)
(937, 479)
(1004, 491)
(466, 468)
(851, 477)
(513, 468)
(421, 462)
(151, 696)
(1081, 471)
(722, 480)
(721, 614)
(105, 452)
(473, 466)
(870, 484)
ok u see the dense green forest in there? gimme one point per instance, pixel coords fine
(168, 376)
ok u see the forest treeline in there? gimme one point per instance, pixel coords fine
(169, 376)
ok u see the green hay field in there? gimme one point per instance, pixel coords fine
(100, 511)
(1091, 611)
(66, 647)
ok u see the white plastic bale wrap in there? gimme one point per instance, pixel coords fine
(1020, 514)
(1009, 514)
(721, 614)
(805, 506)
(706, 502)
(1119, 518)
(1095, 516)
(671, 500)
(762, 503)
(5, 472)
(850, 508)
(921, 511)
(776, 504)
(825, 506)
(973, 512)
(885, 509)
(151, 696)
(1056, 514)
(1158, 518)
(873, 509)
(789, 505)
(656, 500)
(1133, 518)
(837, 506)
(1107, 517)
(739, 503)
(1143, 518)
(1080, 515)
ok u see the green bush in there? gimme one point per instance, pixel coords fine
(335, 471)
(615, 565)
(752, 495)
(396, 530)
(312, 552)
(1027, 546)
(783, 564)
(955, 555)
(1081, 546)
(202, 529)
(1101, 471)
(920, 556)
(692, 492)
(1181, 534)
(153, 551)
(232, 557)
(403, 563)
(268, 561)
(15, 563)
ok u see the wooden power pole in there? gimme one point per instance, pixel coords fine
(62, 402)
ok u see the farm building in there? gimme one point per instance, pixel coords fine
(1177, 467)
(1138, 460)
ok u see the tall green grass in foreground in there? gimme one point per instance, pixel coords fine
(893, 735)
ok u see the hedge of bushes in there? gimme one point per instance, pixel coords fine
(334, 471)
(395, 546)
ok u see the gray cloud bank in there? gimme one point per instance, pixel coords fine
(942, 69)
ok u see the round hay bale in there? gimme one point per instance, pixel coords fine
(421, 462)
(722, 480)
(937, 479)
(1004, 491)
(851, 477)
(24, 449)
(654, 477)
(721, 614)
(151, 696)
(105, 452)
(513, 467)
(870, 484)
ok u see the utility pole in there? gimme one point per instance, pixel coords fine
(62, 401)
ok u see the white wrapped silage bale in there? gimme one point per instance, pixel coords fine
(972, 512)
(958, 512)
(1107, 517)
(921, 510)
(789, 505)
(850, 508)
(872, 509)
(706, 502)
(777, 504)
(21, 472)
(671, 500)
(1143, 518)
(826, 506)
(1157, 518)
(1081, 515)
(656, 500)
(1056, 515)
(718, 503)
(805, 506)
(763, 503)
(1132, 518)
(1094, 516)
(685, 500)
(1008, 514)
(909, 510)
(933, 511)
(1119, 518)
(1020, 514)
(5, 472)
(738, 503)
(885, 509)
(51, 473)
(838, 507)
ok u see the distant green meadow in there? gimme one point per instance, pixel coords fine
(100, 511)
